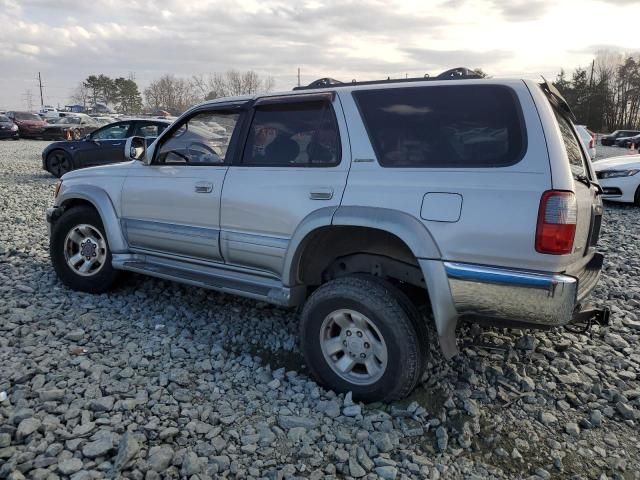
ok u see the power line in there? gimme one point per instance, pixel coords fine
(27, 97)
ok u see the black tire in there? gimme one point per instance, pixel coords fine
(392, 314)
(105, 277)
(636, 197)
(58, 163)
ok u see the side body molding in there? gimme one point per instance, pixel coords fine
(102, 203)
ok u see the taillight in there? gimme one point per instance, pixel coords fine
(556, 222)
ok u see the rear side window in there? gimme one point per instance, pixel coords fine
(464, 126)
(293, 135)
(574, 152)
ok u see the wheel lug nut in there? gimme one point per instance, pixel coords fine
(359, 334)
(366, 345)
(344, 343)
(362, 355)
(348, 333)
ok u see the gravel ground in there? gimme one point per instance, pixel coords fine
(162, 380)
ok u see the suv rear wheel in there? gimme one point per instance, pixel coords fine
(359, 334)
(80, 252)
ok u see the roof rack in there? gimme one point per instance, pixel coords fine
(459, 73)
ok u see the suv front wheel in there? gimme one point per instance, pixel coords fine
(80, 252)
(360, 334)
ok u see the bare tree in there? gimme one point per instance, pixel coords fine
(80, 95)
(231, 83)
(172, 94)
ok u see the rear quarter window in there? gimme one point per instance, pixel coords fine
(457, 126)
(571, 145)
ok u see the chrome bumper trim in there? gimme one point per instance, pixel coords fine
(512, 295)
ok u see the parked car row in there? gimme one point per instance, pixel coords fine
(622, 138)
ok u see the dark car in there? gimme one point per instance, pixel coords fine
(626, 142)
(104, 145)
(73, 127)
(612, 137)
(29, 124)
(8, 129)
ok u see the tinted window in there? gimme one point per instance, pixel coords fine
(443, 126)
(299, 134)
(111, 132)
(574, 152)
(201, 139)
(26, 116)
(148, 129)
(4, 119)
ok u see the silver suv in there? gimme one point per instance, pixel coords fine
(360, 203)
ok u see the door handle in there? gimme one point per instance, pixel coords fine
(204, 187)
(321, 194)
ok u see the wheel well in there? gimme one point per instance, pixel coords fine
(336, 251)
(74, 203)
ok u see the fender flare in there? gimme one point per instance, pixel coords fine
(101, 201)
(407, 228)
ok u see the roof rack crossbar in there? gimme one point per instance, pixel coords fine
(459, 73)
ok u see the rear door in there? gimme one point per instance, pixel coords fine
(295, 162)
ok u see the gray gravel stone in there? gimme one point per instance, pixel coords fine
(70, 466)
(98, 448)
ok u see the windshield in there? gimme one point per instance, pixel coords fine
(27, 116)
(4, 119)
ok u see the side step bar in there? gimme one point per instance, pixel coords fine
(220, 279)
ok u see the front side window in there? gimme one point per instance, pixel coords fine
(148, 129)
(571, 145)
(203, 139)
(111, 132)
(293, 134)
(466, 126)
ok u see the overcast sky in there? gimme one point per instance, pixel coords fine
(67, 40)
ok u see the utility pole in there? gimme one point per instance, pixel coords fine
(41, 98)
(591, 97)
(298, 76)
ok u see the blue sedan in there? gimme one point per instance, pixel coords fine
(103, 146)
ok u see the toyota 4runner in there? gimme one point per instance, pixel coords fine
(359, 203)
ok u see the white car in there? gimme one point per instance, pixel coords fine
(619, 177)
(588, 140)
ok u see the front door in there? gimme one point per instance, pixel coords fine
(172, 205)
(294, 162)
(105, 145)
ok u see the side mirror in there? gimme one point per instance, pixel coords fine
(135, 148)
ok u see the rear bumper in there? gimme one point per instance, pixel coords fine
(506, 296)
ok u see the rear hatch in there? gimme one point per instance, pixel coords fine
(572, 171)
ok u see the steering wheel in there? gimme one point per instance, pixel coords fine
(196, 148)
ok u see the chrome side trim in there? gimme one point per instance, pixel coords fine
(254, 250)
(186, 240)
(512, 295)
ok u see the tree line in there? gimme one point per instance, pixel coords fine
(167, 93)
(605, 95)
